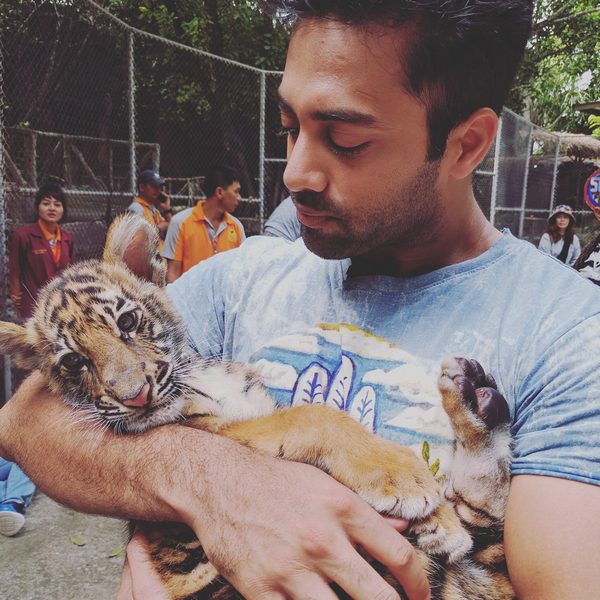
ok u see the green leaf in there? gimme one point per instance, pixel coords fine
(435, 467)
(425, 451)
(117, 552)
(77, 541)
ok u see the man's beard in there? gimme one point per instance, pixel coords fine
(411, 218)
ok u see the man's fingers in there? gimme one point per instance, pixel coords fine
(359, 580)
(399, 525)
(125, 591)
(308, 586)
(144, 582)
(386, 545)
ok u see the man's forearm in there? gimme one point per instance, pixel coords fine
(77, 463)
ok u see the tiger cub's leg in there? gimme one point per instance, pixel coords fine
(391, 478)
(479, 480)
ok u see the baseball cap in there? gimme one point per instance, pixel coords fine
(562, 208)
(150, 177)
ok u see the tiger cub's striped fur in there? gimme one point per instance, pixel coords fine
(110, 342)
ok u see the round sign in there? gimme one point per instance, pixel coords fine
(591, 191)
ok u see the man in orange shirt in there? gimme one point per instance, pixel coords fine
(198, 233)
(151, 202)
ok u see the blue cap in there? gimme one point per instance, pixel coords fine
(150, 177)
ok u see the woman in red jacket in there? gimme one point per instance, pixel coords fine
(39, 251)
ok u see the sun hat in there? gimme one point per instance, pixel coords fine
(562, 208)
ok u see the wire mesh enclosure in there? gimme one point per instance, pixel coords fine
(89, 101)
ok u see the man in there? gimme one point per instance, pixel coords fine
(389, 106)
(198, 233)
(151, 202)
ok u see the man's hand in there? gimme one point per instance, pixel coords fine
(286, 530)
(164, 206)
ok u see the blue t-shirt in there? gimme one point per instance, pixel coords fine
(283, 222)
(372, 345)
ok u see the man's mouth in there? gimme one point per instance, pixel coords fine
(313, 219)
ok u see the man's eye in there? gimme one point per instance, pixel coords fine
(347, 151)
(73, 361)
(128, 322)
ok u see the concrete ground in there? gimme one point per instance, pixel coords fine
(43, 563)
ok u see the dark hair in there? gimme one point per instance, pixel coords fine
(463, 53)
(219, 176)
(554, 233)
(47, 190)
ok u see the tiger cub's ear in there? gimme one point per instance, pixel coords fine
(134, 243)
(15, 342)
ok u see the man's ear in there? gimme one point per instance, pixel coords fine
(469, 142)
(15, 343)
(132, 242)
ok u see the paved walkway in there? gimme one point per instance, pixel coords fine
(42, 563)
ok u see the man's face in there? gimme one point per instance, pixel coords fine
(150, 192)
(357, 142)
(231, 196)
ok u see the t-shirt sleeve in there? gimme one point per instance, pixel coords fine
(198, 296)
(557, 422)
(283, 222)
(171, 240)
(240, 226)
(136, 208)
(545, 245)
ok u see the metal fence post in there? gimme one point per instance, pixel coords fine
(261, 152)
(131, 98)
(493, 199)
(3, 225)
(555, 173)
(525, 180)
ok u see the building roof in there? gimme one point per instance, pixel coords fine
(579, 145)
(589, 107)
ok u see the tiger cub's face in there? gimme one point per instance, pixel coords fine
(110, 341)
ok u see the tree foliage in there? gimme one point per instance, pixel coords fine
(561, 65)
(245, 34)
(560, 68)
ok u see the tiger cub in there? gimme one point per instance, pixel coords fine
(109, 342)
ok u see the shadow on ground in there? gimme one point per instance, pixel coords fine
(42, 563)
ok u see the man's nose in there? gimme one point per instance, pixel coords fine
(304, 169)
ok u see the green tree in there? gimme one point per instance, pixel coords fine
(561, 65)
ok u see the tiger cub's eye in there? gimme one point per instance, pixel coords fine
(128, 322)
(73, 361)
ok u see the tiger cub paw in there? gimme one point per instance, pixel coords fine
(470, 396)
(395, 482)
(442, 534)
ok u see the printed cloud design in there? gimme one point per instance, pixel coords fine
(416, 383)
(430, 422)
(317, 385)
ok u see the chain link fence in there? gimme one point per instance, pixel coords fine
(526, 173)
(90, 101)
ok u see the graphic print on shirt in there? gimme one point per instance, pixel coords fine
(386, 389)
(591, 266)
